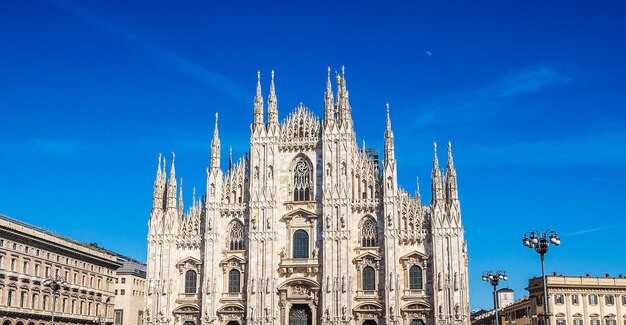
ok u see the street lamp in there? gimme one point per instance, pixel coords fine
(541, 241)
(55, 285)
(494, 280)
(98, 320)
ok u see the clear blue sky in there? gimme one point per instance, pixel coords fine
(531, 94)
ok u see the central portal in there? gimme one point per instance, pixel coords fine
(300, 315)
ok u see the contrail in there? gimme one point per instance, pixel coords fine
(161, 56)
(586, 231)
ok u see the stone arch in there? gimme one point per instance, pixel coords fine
(302, 293)
(187, 313)
(231, 313)
(368, 312)
(7, 322)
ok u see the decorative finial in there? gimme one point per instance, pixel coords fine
(328, 72)
(387, 108)
(216, 116)
(272, 75)
(435, 146)
(343, 71)
(258, 75)
(173, 156)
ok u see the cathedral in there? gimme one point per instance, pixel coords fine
(306, 229)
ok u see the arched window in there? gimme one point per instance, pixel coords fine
(369, 279)
(302, 181)
(415, 277)
(190, 281)
(300, 244)
(234, 281)
(235, 236)
(369, 234)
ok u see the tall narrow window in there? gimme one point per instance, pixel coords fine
(369, 235)
(369, 279)
(415, 277)
(235, 234)
(302, 181)
(190, 281)
(234, 281)
(300, 244)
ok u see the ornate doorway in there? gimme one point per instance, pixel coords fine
(369, 322)
(189, 323)
(300, 315)
(417, 322)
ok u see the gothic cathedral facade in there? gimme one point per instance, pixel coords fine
(306, 229)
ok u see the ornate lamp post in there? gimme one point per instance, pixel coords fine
(541, 241)
(494, 280)
(55, 285)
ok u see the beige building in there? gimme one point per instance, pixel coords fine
(29, 255)
(130, 294)
(581, 300)
(307, 228)
(572, 300)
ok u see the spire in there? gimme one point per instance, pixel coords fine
(230, 159)
(450, 161)
(435, 161)
(171, 186)
(451, 183)
(258, 103)
(343, 103)
(272, 104)
(388, 120)
(215, 147)
(329, 105)
(173, 169)
(389, 147)
(181, 205)
(157, 197)
(158, 174)
(418, 196)
(437, 186)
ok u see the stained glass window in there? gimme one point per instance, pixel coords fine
(369, 233)
(415, 277)
(369, 280)
(190, 281)
(234, 281)
(302, 181)
(300, 244)
(235, 240)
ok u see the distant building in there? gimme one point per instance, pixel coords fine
(572, 300)
(130, 293)
(505, 297)
(29, 255)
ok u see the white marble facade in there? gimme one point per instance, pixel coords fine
(306, 228)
